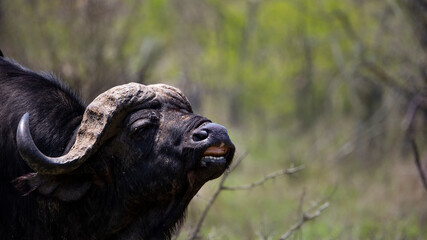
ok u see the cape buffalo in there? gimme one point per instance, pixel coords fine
(123, 167)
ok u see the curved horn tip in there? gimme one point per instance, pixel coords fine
(28, 149)
(34, 158)
(23, 129)
(24, 140)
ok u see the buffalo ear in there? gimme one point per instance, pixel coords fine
(66, 188)
(1, 53)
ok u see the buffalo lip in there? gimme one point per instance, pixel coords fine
(215, 156)
(213, 161)
(209, 160)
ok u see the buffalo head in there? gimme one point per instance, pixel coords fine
(139, 151)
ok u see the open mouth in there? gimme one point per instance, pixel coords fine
(215, 159)
(215, 156)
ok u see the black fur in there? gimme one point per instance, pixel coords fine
(55, 114)
(136, 186)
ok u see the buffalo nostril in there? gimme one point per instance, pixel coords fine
(200, 135)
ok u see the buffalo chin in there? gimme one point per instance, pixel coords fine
(209, 168)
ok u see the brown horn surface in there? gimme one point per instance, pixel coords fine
(102, 114)
(173, 94)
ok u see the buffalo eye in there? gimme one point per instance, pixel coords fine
(143, 127)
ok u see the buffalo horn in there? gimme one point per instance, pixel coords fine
(100, 119)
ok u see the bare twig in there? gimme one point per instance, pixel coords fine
(409, 121)
(383, 77)
(418, 163)
(301, 201)
(266, 178)
(221, 187)
(306, 216)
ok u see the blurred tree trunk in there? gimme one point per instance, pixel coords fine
(417, 13)
(1, 13)
(304, 88)
(305, 94)
(1, 23)
(235, 97)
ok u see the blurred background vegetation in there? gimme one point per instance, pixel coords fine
(336, 85)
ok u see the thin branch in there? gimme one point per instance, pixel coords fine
(266, 178)
(221, 187)
(409, 122)
(305, 218)
(418, 163)
(236, 163)
(383, 77)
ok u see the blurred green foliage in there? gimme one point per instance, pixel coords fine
(324, 83)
